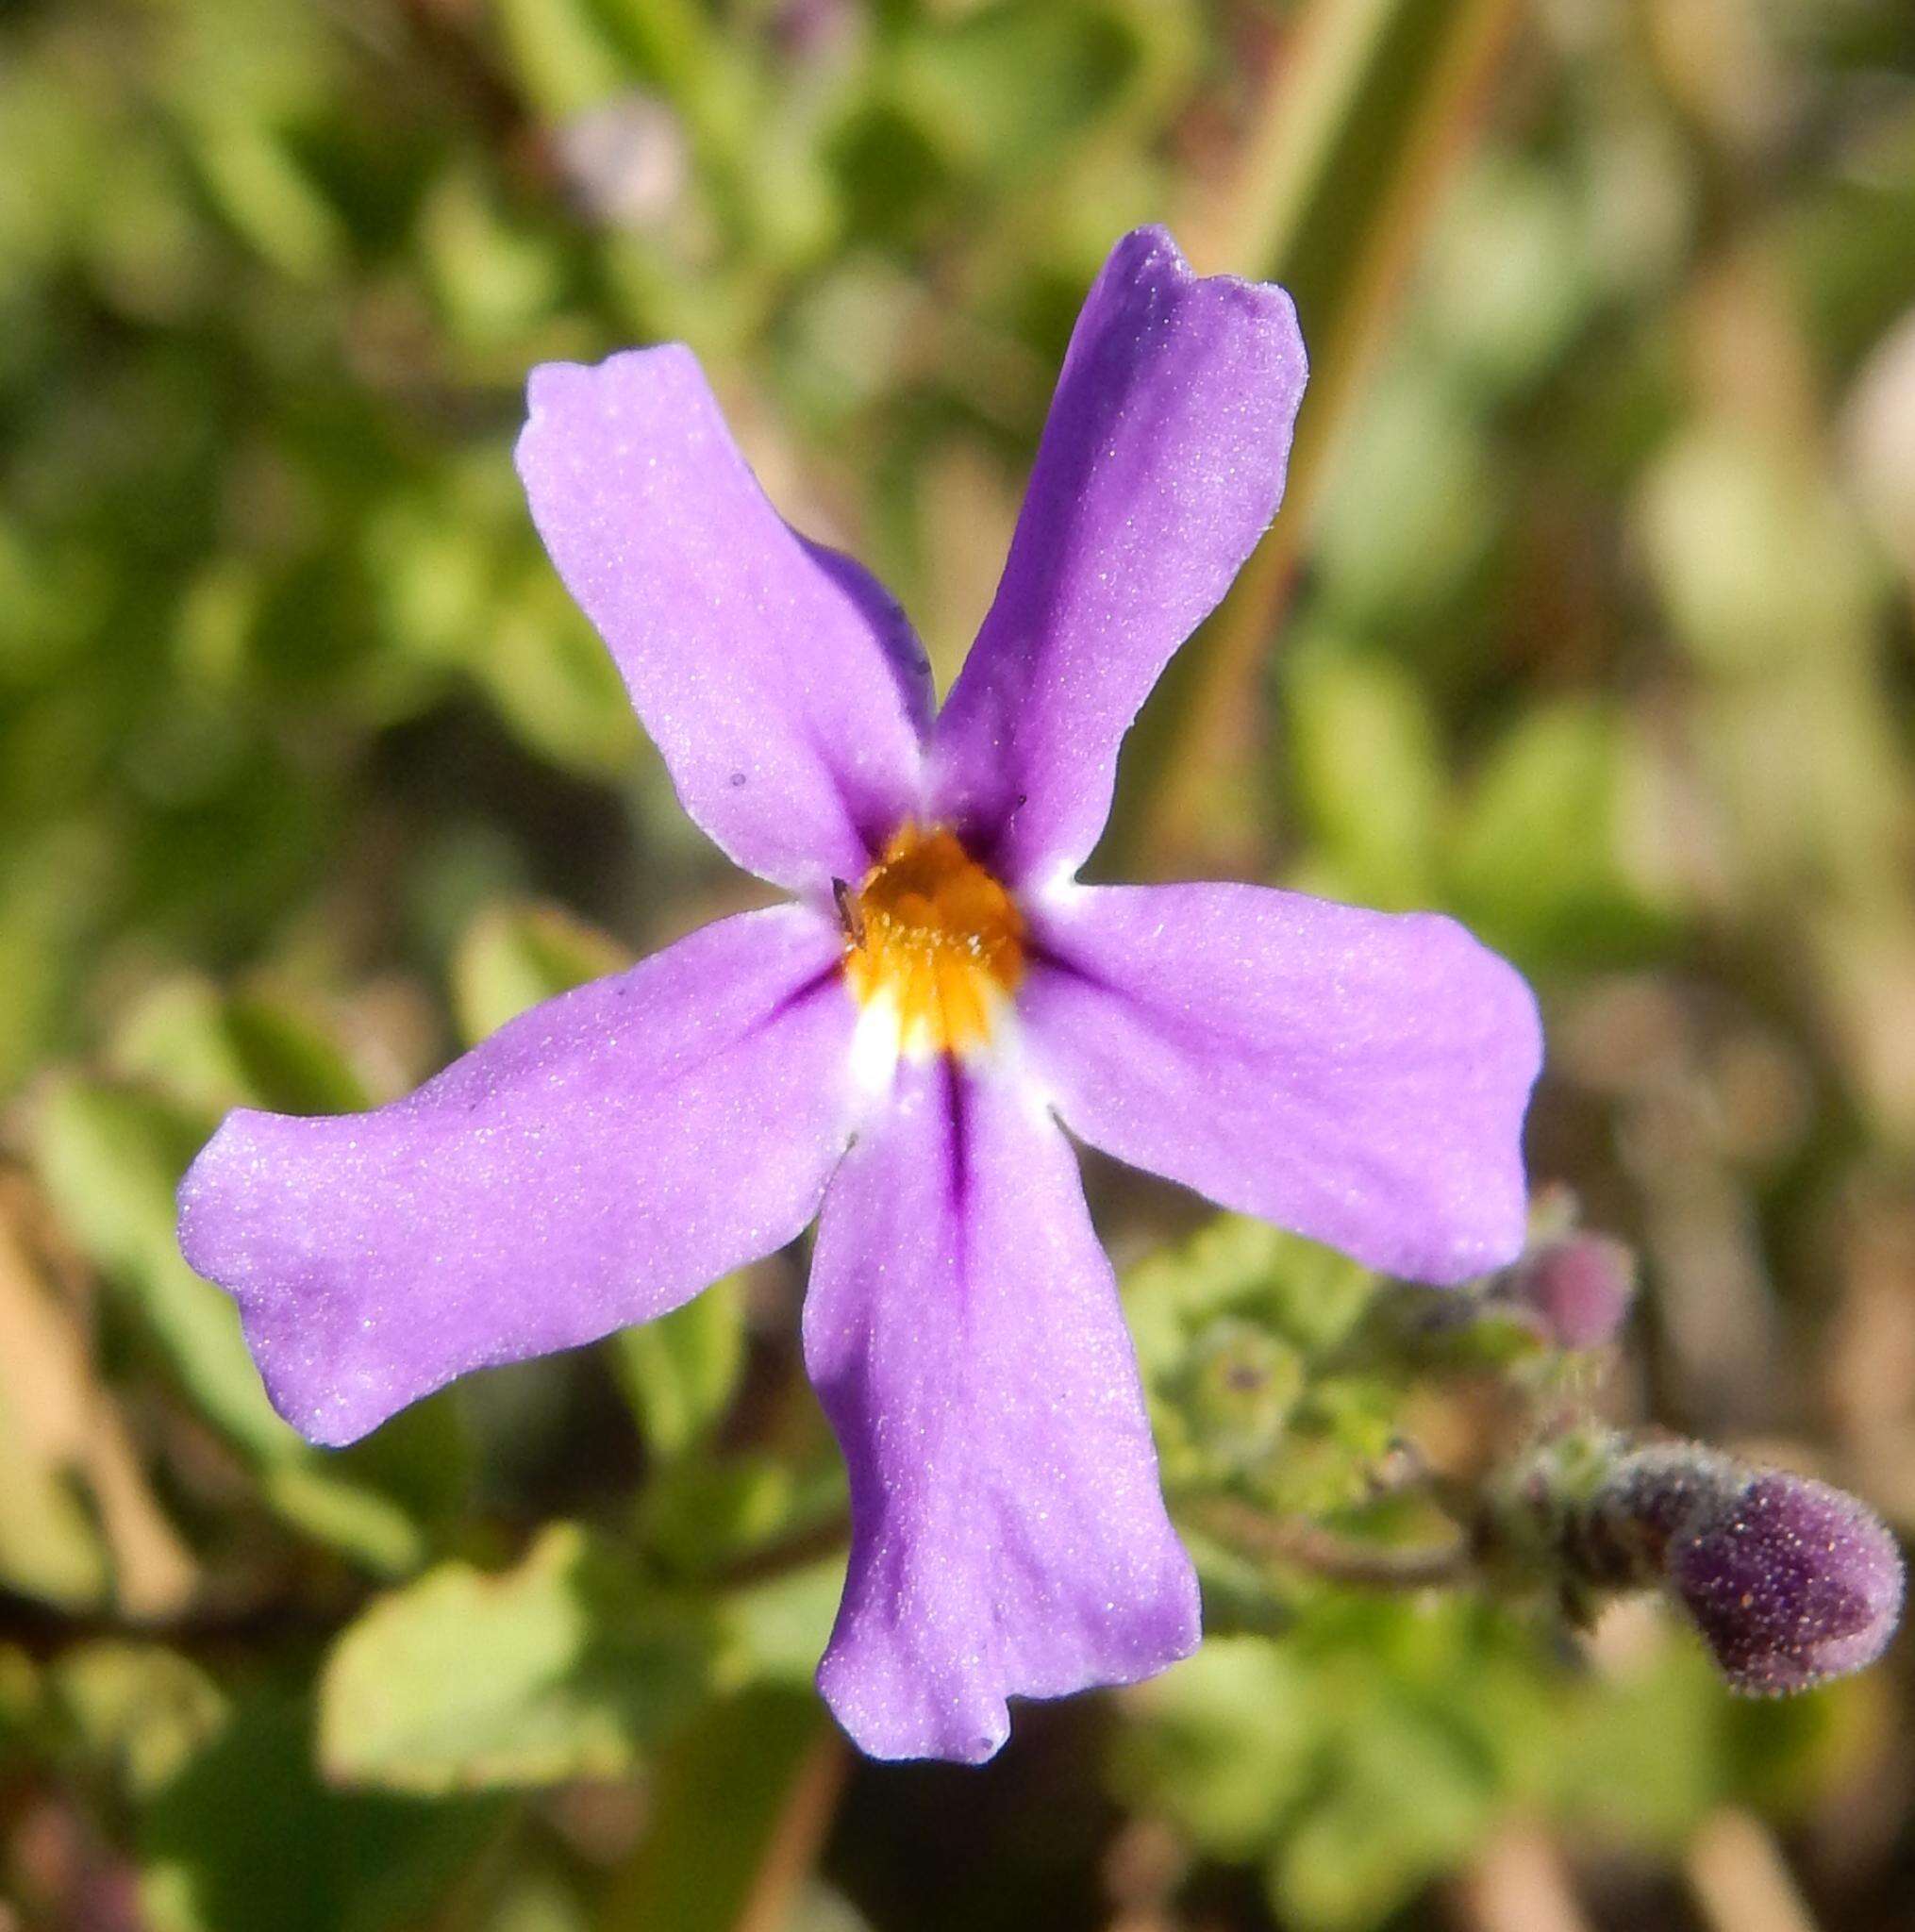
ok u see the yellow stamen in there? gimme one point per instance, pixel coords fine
(932, 932)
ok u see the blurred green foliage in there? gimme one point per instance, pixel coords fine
(1595, 631)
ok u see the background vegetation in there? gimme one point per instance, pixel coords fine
(1588, 619)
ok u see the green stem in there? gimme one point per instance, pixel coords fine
(1323, 1552)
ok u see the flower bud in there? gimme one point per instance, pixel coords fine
(802, 27)
(1241, 1387)
(1790, 1583)
(1574, 1292)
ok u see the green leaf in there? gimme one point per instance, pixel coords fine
(1513, 272)
(552, 680)
(1239, 1386)
(719, 1799)
(311, 1494)
(560, 54)
(1406, 1797)
(257, 183)
(247, 1834)
(512, 956)
(679, 1371)
(1223, 1742)
(675, 45)
(702, 1513)
(1309, 1294)
(1364, 763)
(19, 1697)
(49, 1545)
(536, 1896)
(246, 1049)
(51, 884)
(1018, 82)
(1409, 506)
(1232, 1329)
(775, 1632)
(288, 1062)
(111, 1158)
(570, 1665)
(1760, 566)
(136, 1710)
(1537, 866)
(1646, 1759)
(494, 279)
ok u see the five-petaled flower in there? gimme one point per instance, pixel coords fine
(895, 1049)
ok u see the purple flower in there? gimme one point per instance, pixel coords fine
(895, 1049)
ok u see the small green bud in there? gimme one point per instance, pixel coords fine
(1240, 1386)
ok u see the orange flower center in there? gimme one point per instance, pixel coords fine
(932, 933)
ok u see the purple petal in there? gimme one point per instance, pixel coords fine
(783, 687)
(963, 1332)
(1358, 1076)
(594, 1163)
(1161, 465)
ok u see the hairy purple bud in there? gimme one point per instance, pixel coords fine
(1575, 1292)
(1656, 1493)
(1790, 1583)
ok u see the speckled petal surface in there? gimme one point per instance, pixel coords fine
(781, 684)
(1360, 1078)
(594, 1163)
(1162, 464)
(963, 1331)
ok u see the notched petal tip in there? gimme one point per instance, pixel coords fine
(228, 1202)
(552, 387)
(901, 1723)
(572, 408)
(592, 1164)
(231, 1199)
(898, 1702)
(335, 1418)
(1162, 464)
(238, 1203)
(198, 1198)
(1151, 250)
